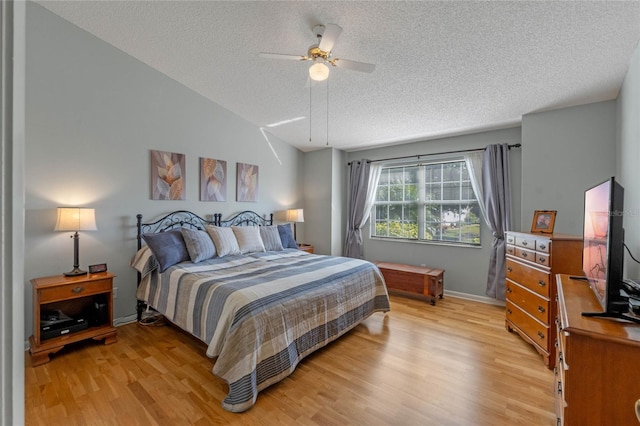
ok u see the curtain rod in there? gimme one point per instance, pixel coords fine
(417, 156)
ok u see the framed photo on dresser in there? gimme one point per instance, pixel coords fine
(543, 221)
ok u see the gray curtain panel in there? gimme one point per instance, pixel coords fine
(496, 183)
(361, 191)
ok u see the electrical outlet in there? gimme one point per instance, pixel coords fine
(115, 292)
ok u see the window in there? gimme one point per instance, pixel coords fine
(427, 202)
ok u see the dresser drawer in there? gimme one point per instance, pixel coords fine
(525, 254)
(527, 242)
(511, 239)
(70, 291)
(543, 246)
(543, 259)
(531, 278)
(536, 331)
(511, 249)
(529, 301)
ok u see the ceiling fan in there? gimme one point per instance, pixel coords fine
(320, 54)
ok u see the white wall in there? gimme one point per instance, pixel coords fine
(628, 170)
(93, 114)
(466, 267)
(564, 152)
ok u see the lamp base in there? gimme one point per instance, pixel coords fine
(75, 272)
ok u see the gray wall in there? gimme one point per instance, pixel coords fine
(93, 114)
(466, 267)
(318, 190)
(628, 170)
(564, 152)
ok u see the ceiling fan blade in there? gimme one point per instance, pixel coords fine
(283, 56)
(329, 38)
(353, 65)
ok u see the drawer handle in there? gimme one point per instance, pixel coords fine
(510, 269)
(542, 260)
(541, 309)
(543, 246)
(509, 311)
(77, 290)
(541, 283)
(560, 388)
(560, 357)
(524, 243)
(540, 335)
(509, 290)
(524, 255)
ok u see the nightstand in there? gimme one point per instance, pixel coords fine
(72, 309)
(306, 247)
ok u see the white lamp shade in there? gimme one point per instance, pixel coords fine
(76, 219)
(318, 71)
(295, 215)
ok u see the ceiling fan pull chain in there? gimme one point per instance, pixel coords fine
(310, 111)
(327, 112)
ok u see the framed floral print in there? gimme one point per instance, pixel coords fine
(167, 175)
(246, 182)
(213, 179)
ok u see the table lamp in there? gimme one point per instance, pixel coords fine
(295, 215)
(76, 219)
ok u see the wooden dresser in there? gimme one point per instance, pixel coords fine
(533, 260)
(597, 375)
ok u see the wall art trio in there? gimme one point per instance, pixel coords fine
(168, 178)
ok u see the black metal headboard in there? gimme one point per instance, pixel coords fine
(245, 218)
(176, 219)
(180, 218)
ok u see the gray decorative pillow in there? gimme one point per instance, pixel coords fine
(286, 236)
(167, 247)
(248, 238)
(271, 238)
(199, 244)
(224, 240)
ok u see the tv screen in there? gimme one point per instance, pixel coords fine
(603, 246)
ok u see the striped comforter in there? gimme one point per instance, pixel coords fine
(261, 313)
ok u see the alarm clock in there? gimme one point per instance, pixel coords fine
(98, 267)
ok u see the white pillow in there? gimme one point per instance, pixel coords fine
(248, 238)
(271, 238)
(224, 240)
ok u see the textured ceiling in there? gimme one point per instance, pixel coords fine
(442, 68)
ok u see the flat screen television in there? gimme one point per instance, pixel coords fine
(603, 247)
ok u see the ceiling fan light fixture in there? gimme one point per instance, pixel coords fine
(318, 71)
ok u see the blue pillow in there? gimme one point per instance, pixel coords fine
(167, 247)
(286, 236)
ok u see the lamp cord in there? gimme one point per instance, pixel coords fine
(629, 251)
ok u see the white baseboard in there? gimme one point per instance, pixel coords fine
(476, 298)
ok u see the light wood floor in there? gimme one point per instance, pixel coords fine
(449, 364)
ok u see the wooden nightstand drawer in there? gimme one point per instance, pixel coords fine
(70, 291)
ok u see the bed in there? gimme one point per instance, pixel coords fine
(261, 309)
